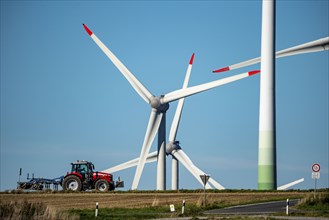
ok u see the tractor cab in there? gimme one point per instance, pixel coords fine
(84, 168)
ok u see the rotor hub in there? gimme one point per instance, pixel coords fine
(156, 103)
(171, 146)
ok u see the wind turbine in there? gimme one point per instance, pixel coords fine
(319, 45)
(267, 131)
(159, 106)
(173, 148)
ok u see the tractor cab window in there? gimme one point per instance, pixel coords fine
(80, 168)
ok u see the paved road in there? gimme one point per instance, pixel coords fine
(255, 209)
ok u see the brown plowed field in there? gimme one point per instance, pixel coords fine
(135, 200)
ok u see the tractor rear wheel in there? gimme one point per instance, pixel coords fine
(72, 183)
(102, 185)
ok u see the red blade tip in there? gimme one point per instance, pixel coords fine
(87, 29)
(192, 58)
(222, 70)
(253, 72)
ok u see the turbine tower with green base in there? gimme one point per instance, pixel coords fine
(267, 134)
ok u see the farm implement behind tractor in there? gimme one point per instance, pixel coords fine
(40, 183)
(81, 178)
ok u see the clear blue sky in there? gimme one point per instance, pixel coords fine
(63, 100)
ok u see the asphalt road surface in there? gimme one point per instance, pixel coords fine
(255, 209)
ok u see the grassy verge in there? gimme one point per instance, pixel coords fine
(29, 211)
(314, 206)
(138, 213)
(310, 207)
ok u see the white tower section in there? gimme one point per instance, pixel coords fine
(267, 131)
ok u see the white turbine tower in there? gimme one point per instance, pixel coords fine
(267, 127)
(173, 148)
(159, 106)
(267, 142)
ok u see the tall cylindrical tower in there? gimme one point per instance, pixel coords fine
(267, 133)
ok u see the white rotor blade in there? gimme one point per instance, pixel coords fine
(178, 113)
(138, 86)
(313, 46)
(152, 128)
(182, 93)
(187, 163)
(286, 186)
(151, 157)
(211, 180)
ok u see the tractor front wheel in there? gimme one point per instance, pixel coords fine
(72, 183)
(102, 185)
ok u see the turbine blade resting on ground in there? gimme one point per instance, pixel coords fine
(288, 185)
(310, 47)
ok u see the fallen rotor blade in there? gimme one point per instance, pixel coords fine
(187, 163)
(178, 113)
(286, 186)
(151, 157)
(182, 93)
(310, 47)
(137, 85)
(152, 128)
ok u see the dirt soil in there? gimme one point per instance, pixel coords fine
(135, 200)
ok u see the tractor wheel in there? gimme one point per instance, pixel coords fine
(102, 185)
(72, 183)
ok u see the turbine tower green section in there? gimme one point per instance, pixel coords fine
(267, 137)
(267, 161)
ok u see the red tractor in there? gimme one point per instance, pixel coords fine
(82, 177)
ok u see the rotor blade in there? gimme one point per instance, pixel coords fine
(313, 46)
(152, 128)
(200, 172)
(187, 163)
(178, 113)
(138, 86)
(211, 180)
(182, 93)
(151, 157)
(286, 186)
